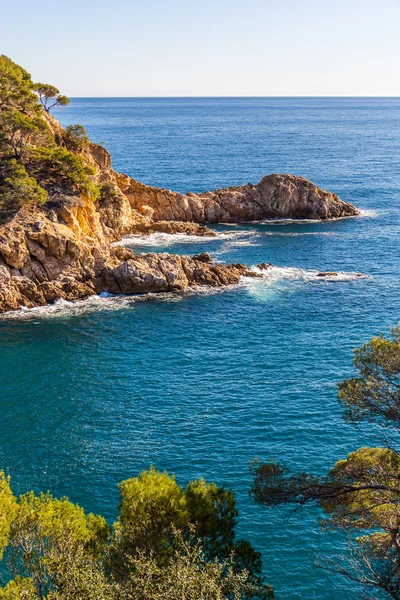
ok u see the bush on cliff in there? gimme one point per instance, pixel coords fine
(58, 169)
(362, 492)
(168, 542)
(75, 137)
(17, 187)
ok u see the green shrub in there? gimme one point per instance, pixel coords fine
(76, 138)
(107, 191)
(17, 187)
(58, 167)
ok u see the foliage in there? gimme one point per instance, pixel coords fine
(153, 507)
(8, 508)
(35, 160)
(362, 492)
(188, 575)
(75, 137)
(45, 530)
(57, 167)
(16, 87)
(55, 551)
(150, 506)
(19, 131)
(49, 96)
(107, 191)
(374, 396)
(17, 187)
(19, 589)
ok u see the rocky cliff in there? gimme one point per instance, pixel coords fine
(64, 248)
(59, 242)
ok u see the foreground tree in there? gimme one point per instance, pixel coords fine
(362, 492)
(153, 507)
(188, 574)
(168, 542)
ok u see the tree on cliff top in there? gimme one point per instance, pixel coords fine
(34, 162)
(362, 492)
(16, 87)
(49, 96)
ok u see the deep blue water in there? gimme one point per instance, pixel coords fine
(201, 384)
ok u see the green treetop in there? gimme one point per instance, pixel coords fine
(168, 542)
(49, 96)
(35, 162)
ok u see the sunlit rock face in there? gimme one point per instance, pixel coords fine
(64, 249)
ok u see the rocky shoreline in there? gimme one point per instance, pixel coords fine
(64, 249)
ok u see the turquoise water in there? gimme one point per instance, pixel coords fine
(201, 384)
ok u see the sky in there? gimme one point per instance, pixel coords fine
(207, 47)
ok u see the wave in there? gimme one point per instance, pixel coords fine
(302, 221)
(369, 214)
(64, 309)
(272, 281)
(104, 302)
(273, 273)
(298, 233)
(158, 239)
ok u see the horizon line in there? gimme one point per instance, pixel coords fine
(240, 97)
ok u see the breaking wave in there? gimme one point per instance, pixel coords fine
(363, 214)
(369, 214)
(158, 239)
(272, 281)
(64, 309)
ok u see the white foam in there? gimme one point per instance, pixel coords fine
(63, 309)
(275, 280)
(299, 233)
(160, 239)
(362, 213)
(164, 240)
(302, 221)
(369, 214)
(293, 273)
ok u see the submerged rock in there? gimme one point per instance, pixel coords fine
(172, 227)
(204, 257)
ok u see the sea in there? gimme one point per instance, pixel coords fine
(201, 384)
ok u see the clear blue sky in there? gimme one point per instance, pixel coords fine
(207, 47)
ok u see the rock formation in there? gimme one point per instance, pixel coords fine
(64, 248)
(276, 196)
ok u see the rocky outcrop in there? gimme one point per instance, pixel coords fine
(43, 259)
(276, 196)
(65, 248)
(168, 273)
